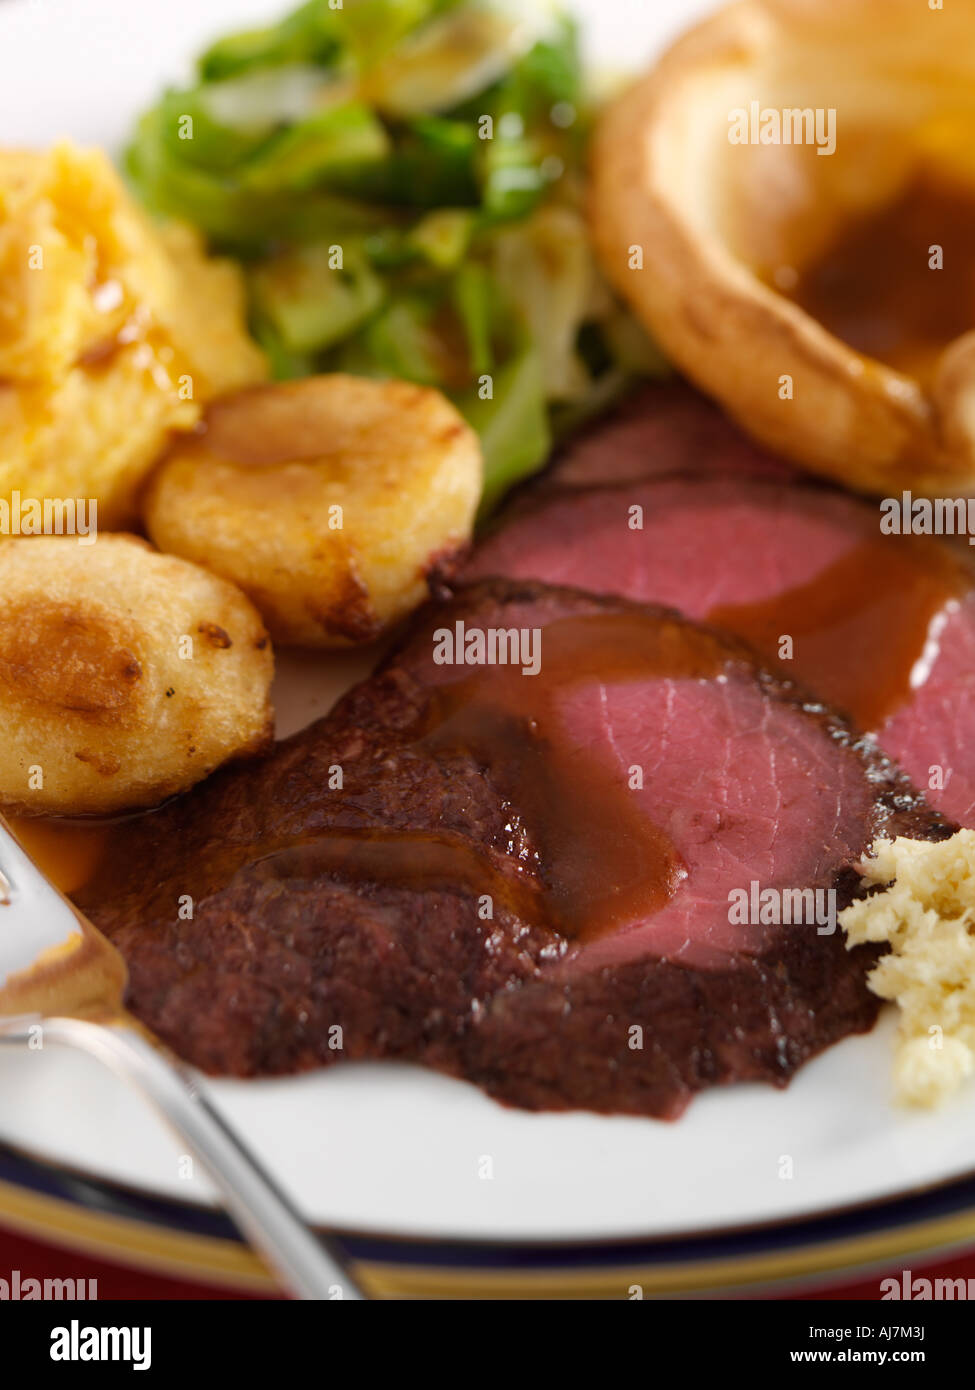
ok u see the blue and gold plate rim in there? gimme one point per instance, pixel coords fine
(108, 1220)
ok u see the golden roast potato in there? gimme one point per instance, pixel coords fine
(326, 500)
(125, 676)
(788, 201)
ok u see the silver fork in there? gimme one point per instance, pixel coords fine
(60, 975)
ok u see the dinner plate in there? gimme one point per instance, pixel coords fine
(435, 1187)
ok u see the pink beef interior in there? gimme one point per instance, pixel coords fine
(702, 544)
(709, 543)
(934, 734)
(744, 790)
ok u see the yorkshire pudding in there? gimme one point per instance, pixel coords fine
(814, 272)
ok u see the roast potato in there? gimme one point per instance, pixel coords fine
(326, 500)
(125, 675)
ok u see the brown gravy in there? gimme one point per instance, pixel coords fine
(600, 859)
(860, 626)
(67, 852)
(602, 862)
(874, 288)
(427, 862)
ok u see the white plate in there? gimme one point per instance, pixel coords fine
(394, 1149)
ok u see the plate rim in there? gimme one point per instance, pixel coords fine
(397, 1266)
(835, 1212)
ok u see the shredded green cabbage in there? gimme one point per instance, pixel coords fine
(402, 180)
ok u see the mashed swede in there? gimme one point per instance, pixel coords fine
(926, 913)
(112, 332)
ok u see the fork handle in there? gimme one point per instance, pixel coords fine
(309, 1267)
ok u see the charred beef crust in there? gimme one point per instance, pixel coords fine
(254, 983)
(564, 1042)
(564, 1048)
(270, 966)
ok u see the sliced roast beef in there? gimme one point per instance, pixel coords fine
(662, 428)
(512, 854)
(880, 626)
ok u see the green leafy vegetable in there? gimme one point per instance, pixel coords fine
(402, 179)
(513, 425)
(442, 238)
(315, 296)
(327, 149)
(307, 36)
(474, 294)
